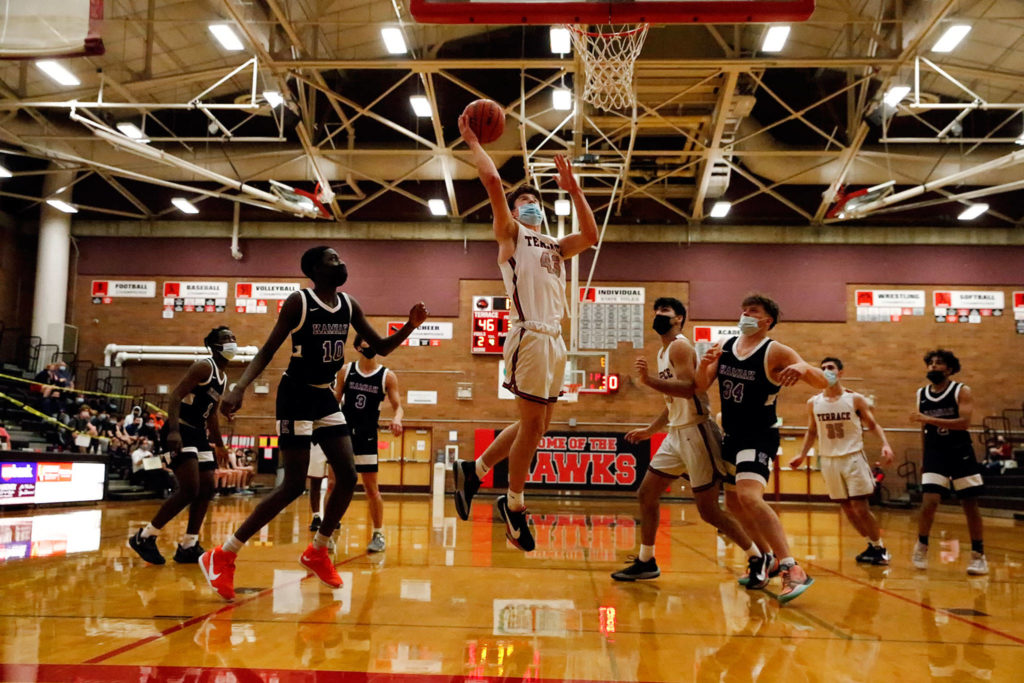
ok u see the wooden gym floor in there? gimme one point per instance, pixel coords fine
(455, 602)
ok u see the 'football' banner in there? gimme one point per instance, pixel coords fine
(589, 461)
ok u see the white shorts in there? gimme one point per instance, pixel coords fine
(534, 365)
(694, 452)
(847, 476)
(317, 462)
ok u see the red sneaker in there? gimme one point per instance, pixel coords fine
(218, 566)
(317, 561)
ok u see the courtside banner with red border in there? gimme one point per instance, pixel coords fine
(585, 461)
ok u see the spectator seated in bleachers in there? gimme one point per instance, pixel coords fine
(150, 470)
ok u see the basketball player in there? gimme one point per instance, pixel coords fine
(318, 321)
(361, 388)
(944, 410)
(836, 416)
(531, 266)
(751, 369)
(192, 423)
(692, 448)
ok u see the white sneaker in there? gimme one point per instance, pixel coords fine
(978, 565)
(920, 558)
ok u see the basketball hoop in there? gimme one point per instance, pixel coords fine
(609, 55)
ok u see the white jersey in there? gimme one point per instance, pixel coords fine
(535, 282)
(839, 430)
(682, 412)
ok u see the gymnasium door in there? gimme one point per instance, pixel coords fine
(404, 463)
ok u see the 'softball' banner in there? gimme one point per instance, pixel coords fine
(593, 461)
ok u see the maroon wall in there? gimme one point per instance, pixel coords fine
(387, 276)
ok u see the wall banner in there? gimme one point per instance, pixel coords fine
(103, 291)
(952, 306)
(195, 289)
(888, 305)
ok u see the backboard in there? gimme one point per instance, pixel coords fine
(608, 11)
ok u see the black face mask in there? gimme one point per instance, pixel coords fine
(368, 352)
(936, 376)
(662, 323)
(340, 273)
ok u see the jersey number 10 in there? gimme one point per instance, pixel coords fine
(337, 353)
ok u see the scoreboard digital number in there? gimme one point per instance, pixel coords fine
(490, 324)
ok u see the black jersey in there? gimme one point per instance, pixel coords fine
(196, 405)
(747, 393)
(361, 398)
(318, 343)
(947, 407)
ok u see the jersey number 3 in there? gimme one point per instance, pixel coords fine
(336, 353)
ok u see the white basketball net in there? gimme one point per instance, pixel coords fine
(609, 54)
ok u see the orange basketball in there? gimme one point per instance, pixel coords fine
(486, 119)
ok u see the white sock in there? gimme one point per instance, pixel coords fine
(787, 562)
(189, 540)
(321, 541)
(149, 530)
(753, 550)
(232, 545)
(379, 530)
(877, 543)
(481, 468)
(516, 501)
(646, 553)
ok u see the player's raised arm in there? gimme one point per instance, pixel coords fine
(707, 371)
(788, 368)
(289, 318)
(385, 345)
(576, 242)
(683, 359)
(504, 225)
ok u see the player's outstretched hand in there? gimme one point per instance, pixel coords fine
(566, 180)
(641, 369)
(396, 427)
(918, 417)
(467, 133)
(796, 462)
(637, 435)
(887, 454)
(418, 313)
(792, 374)
(230, 402)
(711, 355)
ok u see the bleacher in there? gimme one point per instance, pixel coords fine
(1004, 474)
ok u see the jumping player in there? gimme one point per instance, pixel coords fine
(318, 321)
(751, 369)
(836, 416)
(692, 448)
(944, 410)
(361, 388)
(191, 425)
(531, 266)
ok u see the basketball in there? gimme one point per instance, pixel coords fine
(486, 119)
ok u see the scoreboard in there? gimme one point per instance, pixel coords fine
(490, 323)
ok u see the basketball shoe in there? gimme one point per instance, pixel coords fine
(920, 557)
(794, 582)
(978, 565)
(317, 561)
(377, 543)
(188, 555)
(517, 531)
(638, 570)
(874, 555)
(218, 567)
(146, 547)
(466, 486)
(754, 566)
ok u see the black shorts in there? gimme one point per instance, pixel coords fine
(954, 469)
(195, 445)
(305, 408)
(364, 447)
(750, 457)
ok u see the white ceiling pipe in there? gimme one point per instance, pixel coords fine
(122, 356)
(110, 349)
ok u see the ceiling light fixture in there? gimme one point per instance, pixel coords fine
(895, 94)
(58, 72)
(561, 41)
(437, 207)
(184, 205)
(563, 207)
(4, 173)
(394, 41)
(720, 209)
(273, 98)
(973, 211)
(775, 39)
(131, 130)
(421, 106)
(61, 205)
(951, 38)
(561, 99)
(226, 37)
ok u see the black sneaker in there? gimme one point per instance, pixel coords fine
(146, 548)
(759, 571)
(866, 556)
(188, 555)
(772, 573)
(874, 555)
(638, 570)
(466, 486)
(517, 531)
(315, 524)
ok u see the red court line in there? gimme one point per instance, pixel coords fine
(957, 617)
(195, 620)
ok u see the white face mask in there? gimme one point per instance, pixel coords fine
(530, 214)
(748, 325)
(229, 350)
(831, 376)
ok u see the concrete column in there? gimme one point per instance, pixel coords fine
(50, 300)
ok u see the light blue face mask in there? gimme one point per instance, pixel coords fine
(531, 214)
(748, 325)
(831, 376)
